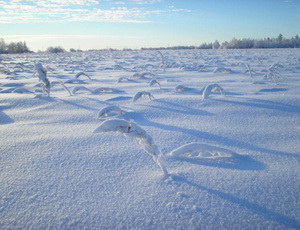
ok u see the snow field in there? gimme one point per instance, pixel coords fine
(57, 173)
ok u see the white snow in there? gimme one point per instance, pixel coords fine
(232, 160)
(110, 111)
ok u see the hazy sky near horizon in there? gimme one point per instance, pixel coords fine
(88, 24)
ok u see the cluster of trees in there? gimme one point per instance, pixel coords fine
(246, 43)
(279, 42)
(13, 47)
(57, 49)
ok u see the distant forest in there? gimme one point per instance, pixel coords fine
(245, 43)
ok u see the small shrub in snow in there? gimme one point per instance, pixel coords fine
(248, 69)
(77, 88)
(65, 87)
(122, 79)
(137, 76)
(154, 82)
(163, 62)
(198, 150)
(142, 75)
(147, 74)
(110, 111)
(6, 69)
(141, 94)
(74, 81)
(19, 66)
(42, 75)
(276, 66)
(82, 74)
(273, 72)
(212, 88)
(131, 129)
(105, 90)
(180, 88)
(149, 67)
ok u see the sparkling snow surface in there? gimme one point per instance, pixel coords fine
(242, 172)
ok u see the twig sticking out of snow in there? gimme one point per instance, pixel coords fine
(110, 111)
(273, 72)
(140, 94)
(248, 69)
(42, 75)
(162, 60)
(131, 129)
(276, 66)
(198, 150)
(6, 67)
(153, 82)
(66, 88)
(82, 74)
(212, 88)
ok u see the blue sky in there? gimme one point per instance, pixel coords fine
(88, 24)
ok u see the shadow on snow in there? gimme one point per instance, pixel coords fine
(4, 119)
(235, 162)
(255, 208)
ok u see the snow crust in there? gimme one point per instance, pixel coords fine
(232, 159)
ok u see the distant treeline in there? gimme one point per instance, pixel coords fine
(13, 47)
(245, 43)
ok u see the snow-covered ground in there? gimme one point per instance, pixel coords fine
(232, 160)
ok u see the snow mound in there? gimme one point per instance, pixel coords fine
(75, 81)
(212, 88)
(180, 88)
(222, 70)
(198, 150)
(110, 111)
(141, 94)
(82, 74)
(105, 90)
(154, 82)
(80, 88)
(114, 125)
